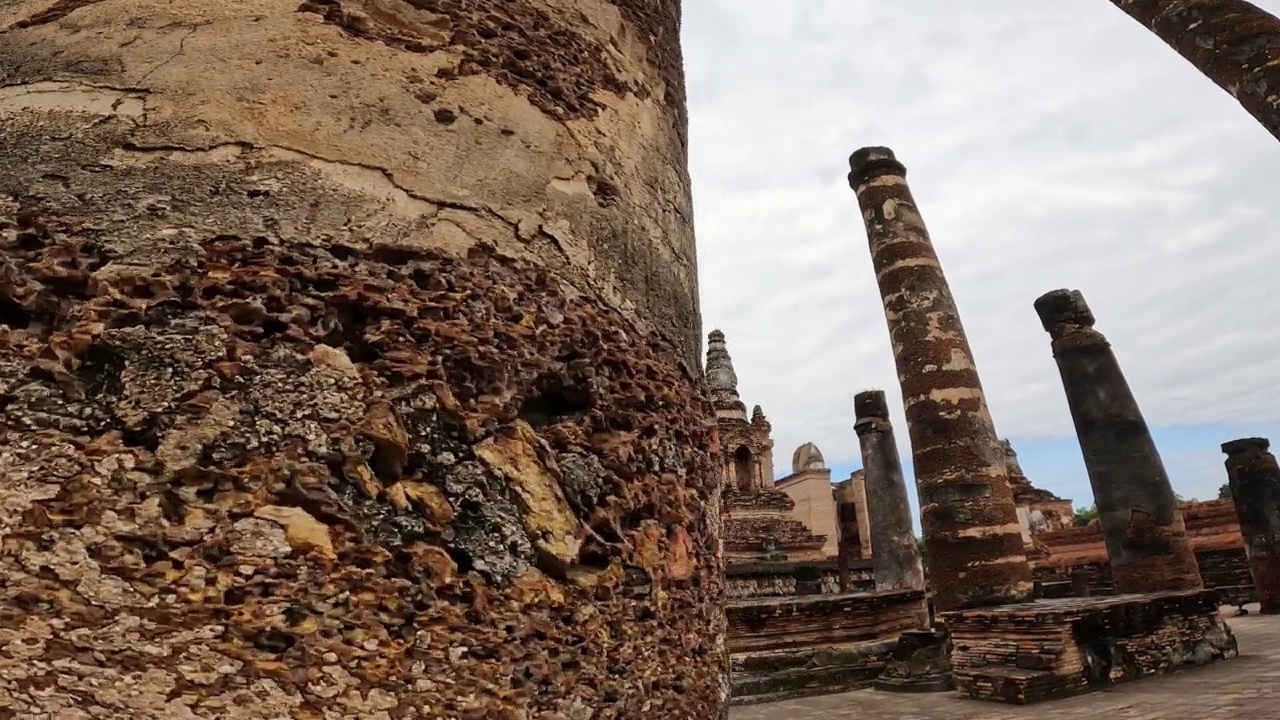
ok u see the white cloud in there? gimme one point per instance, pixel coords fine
(1048, 145)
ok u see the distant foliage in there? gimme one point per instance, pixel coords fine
(1085, 515)
(924, 551)
(1224, 492)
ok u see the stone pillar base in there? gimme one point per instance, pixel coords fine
(1049, 649)
(921, 663)
(823, 670)
(792, 646)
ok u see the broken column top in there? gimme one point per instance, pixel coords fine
(870, 162)
(870, 404)
(1063, 307)
(1244, 445)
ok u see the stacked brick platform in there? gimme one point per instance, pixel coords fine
(785, 647)
(753, 518)
(1031, 652)
(778, 623)
(921, 662)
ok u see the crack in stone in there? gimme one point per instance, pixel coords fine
(182, 46)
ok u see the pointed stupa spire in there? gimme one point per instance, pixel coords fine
(722, 380)
(758, 419)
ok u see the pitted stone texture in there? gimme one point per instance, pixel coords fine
(1254, 476)
(344, 484)
(1234, 43)
(338, 387)
(1141, 522)
(970, 523)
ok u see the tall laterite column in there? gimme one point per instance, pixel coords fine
(895, 556)
(1254, 477)
(976, 555)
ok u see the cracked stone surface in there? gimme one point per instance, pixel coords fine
(605, 197)
(354, 378)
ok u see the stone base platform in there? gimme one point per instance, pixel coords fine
(1049, 649)
(816, 644)
(770, 676)
(921, 662)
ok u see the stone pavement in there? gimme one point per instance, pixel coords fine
(1245, 688)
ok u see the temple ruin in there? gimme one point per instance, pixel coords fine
(803, 617)
(758, 522)
(1005, 644)
(349, 369)
(1039, 510)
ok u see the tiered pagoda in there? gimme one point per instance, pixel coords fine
(758, 526)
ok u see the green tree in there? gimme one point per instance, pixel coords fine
(1224, 492)
(1085, 515)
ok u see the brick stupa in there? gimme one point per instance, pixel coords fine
(758, 524)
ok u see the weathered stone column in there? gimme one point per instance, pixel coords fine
(1143, 529)
(329, 337)
(1236, 44)
(895, 558)
(1255, 489)
(976, 556)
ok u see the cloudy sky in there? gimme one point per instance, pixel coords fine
(1048, 144)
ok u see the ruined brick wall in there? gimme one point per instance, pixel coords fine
(758, 526)
(1212, 528)
(348, 360)
(791, 623)
(780, 579)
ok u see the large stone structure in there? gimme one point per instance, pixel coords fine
(809, 487)
(759, 524)
(1050, 649)
(897, 557)
(1138, 511)
(349, 361)
(817, 644)
(970, 523)
(1236, 44)
(1254, 476)
(746, 443)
